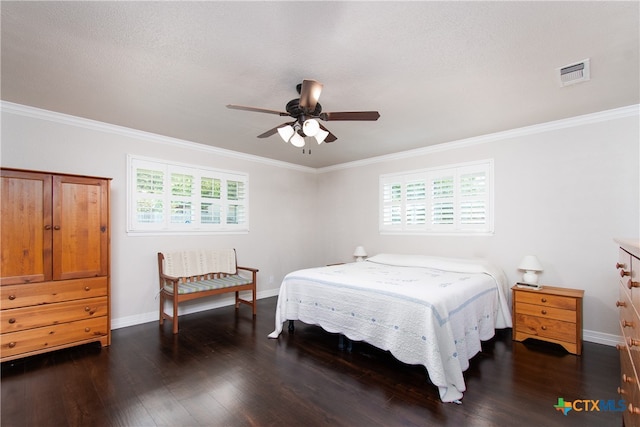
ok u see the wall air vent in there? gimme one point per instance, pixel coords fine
(574, 73)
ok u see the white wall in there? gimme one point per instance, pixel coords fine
(563, 191)
(276, 243)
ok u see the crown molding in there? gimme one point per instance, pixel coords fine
(38, 113)
(607, 115)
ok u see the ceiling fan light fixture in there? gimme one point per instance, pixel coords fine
(297, 140)
(321, 136)
(286, 132)
(310, 127)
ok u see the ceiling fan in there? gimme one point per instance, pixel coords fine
(305, 111)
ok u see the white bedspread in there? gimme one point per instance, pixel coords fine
(428, 311)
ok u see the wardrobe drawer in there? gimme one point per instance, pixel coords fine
(18, 319)
(13, 296)
(49, 337)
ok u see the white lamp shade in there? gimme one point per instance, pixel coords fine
(321, 135)
(530, 263)
(310, 127)
(359, 253)
(297, 140)
(286, 132)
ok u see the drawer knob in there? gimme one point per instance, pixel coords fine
(87, 288)
(631, 284)
(621, 347)
(633, 342)
(56, 227)
(626, 379)
(12, 344)
(12, 297)
(543, 299)
(12, 320)
(624, 273)
(543, 311)
(620, 265)
(621, 304)
(626, 323)
(87, 329)
(634, 410)
(544, 328)
(87, 308)
(621, 391)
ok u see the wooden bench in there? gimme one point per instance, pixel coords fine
(199, 274)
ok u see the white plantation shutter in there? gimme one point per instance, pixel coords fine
(391, 196)
(473, 198)
(236, 202)
(452, 199)
(175, 198)
(441, 185)
(148, 195)
(416, 201)
(181, 199)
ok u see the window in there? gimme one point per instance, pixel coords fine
(456, 199)
(180, 199)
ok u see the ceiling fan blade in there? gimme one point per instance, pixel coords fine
(273, 131)
(256, 109)
(309, 94)
(351, 115)
(331, 137)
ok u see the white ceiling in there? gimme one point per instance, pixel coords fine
(436, 71)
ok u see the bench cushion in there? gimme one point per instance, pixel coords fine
(209, 284)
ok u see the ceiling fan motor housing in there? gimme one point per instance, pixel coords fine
(294, 109)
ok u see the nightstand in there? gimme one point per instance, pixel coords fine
(550, 314)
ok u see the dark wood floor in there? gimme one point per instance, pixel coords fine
(222, 370)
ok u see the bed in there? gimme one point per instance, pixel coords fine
(427, 311)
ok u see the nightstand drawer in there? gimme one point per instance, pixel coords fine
(534, 297)
(546, 328)
(548, 312)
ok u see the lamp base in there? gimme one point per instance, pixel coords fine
(530, 277)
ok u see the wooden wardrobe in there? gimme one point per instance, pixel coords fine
(54, 266)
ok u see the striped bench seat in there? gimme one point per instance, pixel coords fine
(208, 284)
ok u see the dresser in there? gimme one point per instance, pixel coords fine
(628, 303)
(54, 264)
(550, 314)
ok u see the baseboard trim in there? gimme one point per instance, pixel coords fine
(138, 319)
(601, 338)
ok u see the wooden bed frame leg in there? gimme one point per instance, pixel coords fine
(345, 343)
(291, 327)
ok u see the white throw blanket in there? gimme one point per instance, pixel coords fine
(429, 311)
(195, 263)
